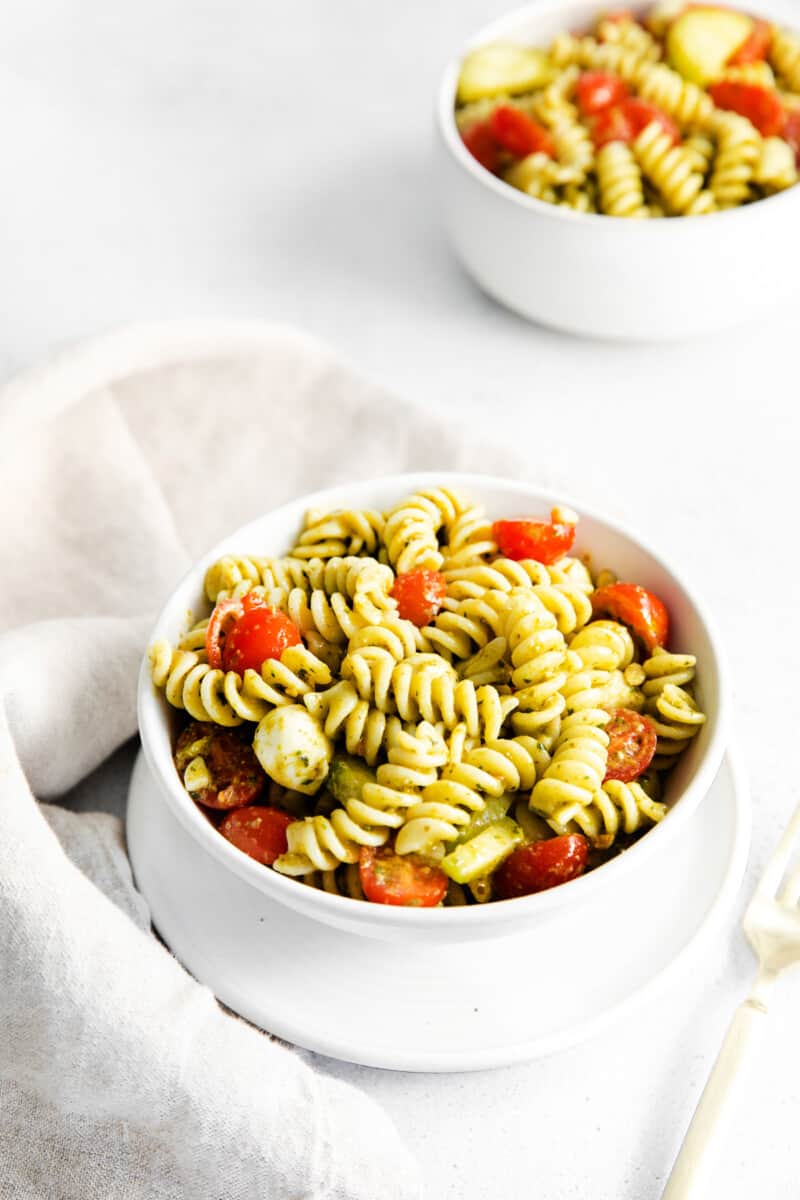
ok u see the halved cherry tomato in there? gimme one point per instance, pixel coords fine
(519, 134)
(641, 112)
(235, 772)
(544, 541)
(257, 635)
(760, 105)
(259, 832)
(631, 746)
(541, 865)
(479, 140)
(791, 132)
(598, 90)
(612, 125)
(755, 47)
(419, 595)
(245, 633)
(626, 120)
(634, 606)
(225, 613)
(389, 878)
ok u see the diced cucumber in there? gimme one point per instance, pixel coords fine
(347, 777)
(534, 828)
(496, 808)
(702, 40)
(502, 68)
(484, 852)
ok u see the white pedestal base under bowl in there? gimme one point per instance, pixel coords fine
(439, 1007)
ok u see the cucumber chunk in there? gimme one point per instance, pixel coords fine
(702, 40)
(502, 68)
(347, 776)
(484, 852)
(496, 808)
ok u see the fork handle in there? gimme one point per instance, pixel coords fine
(691, 1176)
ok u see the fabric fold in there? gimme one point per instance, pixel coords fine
(120, 1075)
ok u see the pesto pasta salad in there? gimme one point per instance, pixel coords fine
(424, 706)
(687, 110)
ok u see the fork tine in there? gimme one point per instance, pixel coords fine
(775, 868)
(791, 890)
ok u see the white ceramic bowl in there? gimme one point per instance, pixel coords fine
(604, 276)
(610, 546)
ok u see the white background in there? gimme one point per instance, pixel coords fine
(271, 159)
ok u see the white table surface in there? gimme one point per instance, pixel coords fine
(265, 159)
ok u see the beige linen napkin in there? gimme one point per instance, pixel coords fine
(120, 1076)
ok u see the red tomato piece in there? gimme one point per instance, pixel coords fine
(755, 47)
(518, 133)
(258, 634)
(541, 865)
(419, 595)
(612, 125)
(791, 132)
(236, 774)
(619, 14)
(480, 142)
(760, 105)
(259, 832)
(632, 744)
(544, 541)
(224, 614)
(637, 608)
(598, 90)
(389, 878)
(640, 113)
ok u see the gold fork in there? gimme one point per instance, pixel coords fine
(772, 926)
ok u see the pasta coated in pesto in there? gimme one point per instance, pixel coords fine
(454, 691)
(677, 110)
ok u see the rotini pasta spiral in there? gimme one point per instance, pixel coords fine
(700, 150)
(359, 579)
(343, 714)
(620, 182)
(785, 57)
(538, 175)
(321, 843)
(470, 540)
(497, 766)
(572, 143)
(677, 718)
(775, 169)
(663, 668)
(578, 765)
(345, 532)
(224, 697)
(622, 31)
(603, 646)
(615, 808)
(680, 98)
(464, 626)
(668, 167)
(500, 575)
(423, 687)
(410, 532)
(580, 198)
(739, 150)
(538, 657)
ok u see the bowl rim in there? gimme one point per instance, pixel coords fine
(334, 908)
(503, 26)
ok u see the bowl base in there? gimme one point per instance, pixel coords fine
(438, 1007)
